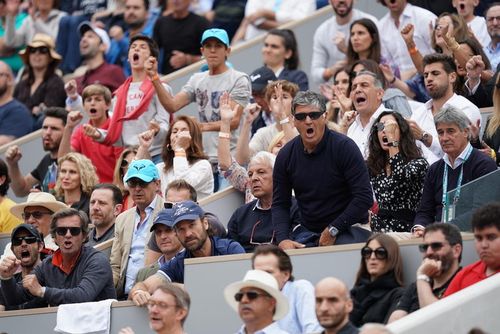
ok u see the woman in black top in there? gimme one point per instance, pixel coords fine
(379, 281)
(397, 172)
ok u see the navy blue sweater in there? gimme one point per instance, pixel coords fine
(331, 185)
(431, 207)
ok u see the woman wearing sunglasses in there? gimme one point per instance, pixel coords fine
(379, 282)
(40, 87)
(121, 168)
(75, 179)
(397, 172)
(183, 156)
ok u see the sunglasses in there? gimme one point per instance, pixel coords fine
(35, 214)
(137, 182)
(42, 50)
(313, 115)
(124, 163)
(435, 246)
(62, 231)
(380, 253)
(251, 295)
(168, 205)
(259, 243)
(379, 126)
(17, 241)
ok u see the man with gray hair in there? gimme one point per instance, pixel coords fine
(251, 224)
(460, 164)
(329, 177)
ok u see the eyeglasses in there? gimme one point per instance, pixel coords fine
(42, 49)
(17, 241)
(313, 115)
(160, 305)
(435, 246)
(380, 253)
(492, 18)
(137, 182)
(63, 230)
(253, 232)
(35, 214)
(251, 295)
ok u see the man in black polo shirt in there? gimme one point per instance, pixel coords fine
(326, 171)
(442, 251)
(190, 225)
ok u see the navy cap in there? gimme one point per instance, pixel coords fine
(187, 210)
(165, 217)
(27, 227)
(261, 77)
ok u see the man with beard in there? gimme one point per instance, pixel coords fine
(394, 50)
(442, 251)
(191, 227)
(333, 306)
(330, 39)
(139, 22)
(45, 173)
(440, 75)
(26, 244)
(105, 205)
(94, 43)
(15, 119)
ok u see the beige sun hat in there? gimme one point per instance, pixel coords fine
(38, 199)
(264, 281)
(40, 40)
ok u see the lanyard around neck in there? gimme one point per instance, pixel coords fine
(459, 182)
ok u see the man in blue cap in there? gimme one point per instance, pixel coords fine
(166, 240)
(191, 227)
(132, 227)
(205, 88)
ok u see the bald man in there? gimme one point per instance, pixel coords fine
(333, 305)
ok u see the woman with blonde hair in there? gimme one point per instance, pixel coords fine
(75, 179)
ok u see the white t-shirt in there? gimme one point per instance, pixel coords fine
(480, 30)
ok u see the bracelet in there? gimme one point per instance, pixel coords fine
(225, 135)
(493, 154)
(413, 50)
(422, 277)
(155, 77)
(454, 46)
(285, 121)
(392, 81)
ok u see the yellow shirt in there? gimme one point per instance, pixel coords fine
(7, 220)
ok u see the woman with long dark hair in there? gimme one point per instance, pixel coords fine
(281, 54)
(491, 136)
(379, 281)
(397, 172)
(40, 87)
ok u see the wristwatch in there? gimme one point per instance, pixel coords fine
(395, 143)
(333, 231)
(425, 137)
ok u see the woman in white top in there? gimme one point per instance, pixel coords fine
(183, 156)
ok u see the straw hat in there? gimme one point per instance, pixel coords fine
(38, 199)
(40, 40)
(261, 280)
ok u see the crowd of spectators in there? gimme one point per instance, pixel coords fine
(370, 159)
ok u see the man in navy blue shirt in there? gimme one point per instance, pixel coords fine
(326, 171)
(191, 227)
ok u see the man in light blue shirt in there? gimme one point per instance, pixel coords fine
(301, 317)
(493, 24)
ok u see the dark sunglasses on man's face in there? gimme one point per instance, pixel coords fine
(63, 230)
(17, 241)
(313, 115)
(380, 253)
(35, 214)
(251, 295)
(136, 182)
(43, 50)
(435, 246)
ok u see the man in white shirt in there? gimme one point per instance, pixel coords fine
(394, 50)
(440, 76)
(330, 39)
(366, 95)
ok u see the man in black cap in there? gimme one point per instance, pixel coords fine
(26, 244)
(259, 79)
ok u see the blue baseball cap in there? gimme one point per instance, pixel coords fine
(142, 169)
(219, 34)
(187, 210)
(165, 217)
